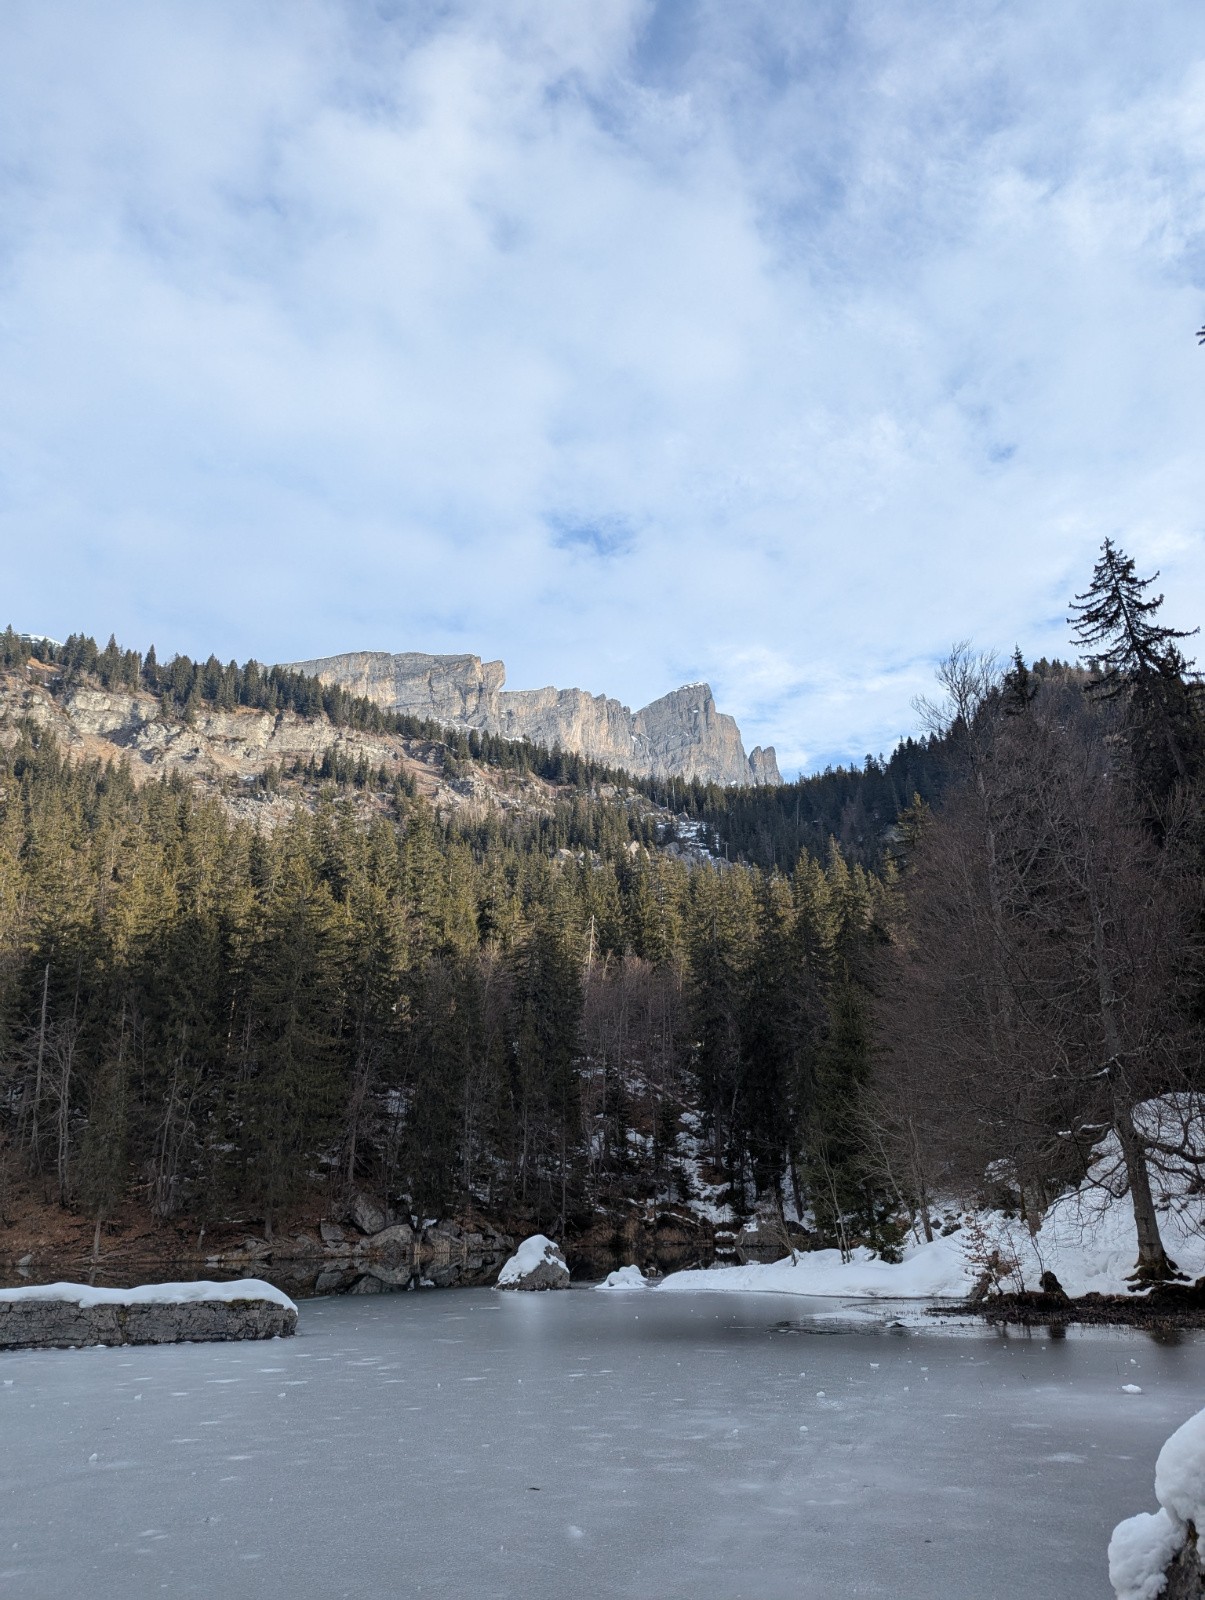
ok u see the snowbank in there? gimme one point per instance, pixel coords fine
(1087, 1239)
(82, 1294)
(624, 1278)
(1143, 1547)
(928, 1271)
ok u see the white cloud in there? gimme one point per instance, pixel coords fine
(834, 333)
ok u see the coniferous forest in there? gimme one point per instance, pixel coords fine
(881, 987)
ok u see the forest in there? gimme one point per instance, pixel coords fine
(990, 955)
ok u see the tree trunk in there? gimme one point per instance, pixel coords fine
(1153, 1265)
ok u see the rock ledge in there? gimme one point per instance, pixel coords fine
(59, 1315)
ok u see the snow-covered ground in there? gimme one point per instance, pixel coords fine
(82, 1294)
(537, 1446)
(1087, 1239)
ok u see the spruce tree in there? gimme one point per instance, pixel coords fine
(1138, 659)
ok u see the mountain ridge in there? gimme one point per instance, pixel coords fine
(680, 734)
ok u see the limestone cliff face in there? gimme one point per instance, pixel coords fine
(680, 735)
(453, 690)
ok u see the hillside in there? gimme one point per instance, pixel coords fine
(265, 947)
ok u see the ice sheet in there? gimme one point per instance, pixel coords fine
(464, 1443)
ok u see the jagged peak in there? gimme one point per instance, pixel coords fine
(666, 738)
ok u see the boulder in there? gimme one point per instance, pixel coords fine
(393, 1242)
(442, 1241)
(331, 1279)
(367, 1215)
(390, 1277)
(332, 1233)
(537, 1264)
(59, 1315)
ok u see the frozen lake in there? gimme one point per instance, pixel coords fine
(472, 1444)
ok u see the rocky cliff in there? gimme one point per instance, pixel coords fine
(680, 735)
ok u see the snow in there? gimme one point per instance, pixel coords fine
(1087, 1239)
(1139, 1552)
(1142, 1546)
(1180, 1472)
(932, 1271)
(83, 1294)
(620, 1446)
(530, 1254)
(624, 1278)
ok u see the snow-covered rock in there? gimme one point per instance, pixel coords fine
(536, 1264)
(54, 1315)
(624, 1278)
(1155, 1555)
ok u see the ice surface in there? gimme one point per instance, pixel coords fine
(463, 1443)
(83, 1294)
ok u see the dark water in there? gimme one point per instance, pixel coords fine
(534, 1447)
(307, 1277)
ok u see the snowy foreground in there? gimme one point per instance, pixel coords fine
(636, 1445)
(1142, 1546)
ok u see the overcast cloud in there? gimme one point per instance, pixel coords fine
(632, 342)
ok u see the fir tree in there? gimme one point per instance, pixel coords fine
(1138, 658)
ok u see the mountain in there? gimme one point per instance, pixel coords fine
(680, 735)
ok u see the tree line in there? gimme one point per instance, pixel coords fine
(215, 1019)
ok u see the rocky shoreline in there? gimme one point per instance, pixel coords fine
(1168, 1308)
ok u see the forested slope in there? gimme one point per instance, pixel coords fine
(548, 1010)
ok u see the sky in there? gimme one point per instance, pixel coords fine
(634, 343)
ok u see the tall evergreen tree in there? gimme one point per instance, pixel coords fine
(1138, 659)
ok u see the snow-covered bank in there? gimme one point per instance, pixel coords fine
(930, 1271)
(1087, 1239)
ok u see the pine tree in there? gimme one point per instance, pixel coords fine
(1138, 659)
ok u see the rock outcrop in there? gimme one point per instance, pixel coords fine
(62, 1315)
(680, 735)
